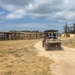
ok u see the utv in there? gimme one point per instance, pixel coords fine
(51, 40)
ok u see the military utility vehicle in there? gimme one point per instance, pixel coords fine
(51, 40)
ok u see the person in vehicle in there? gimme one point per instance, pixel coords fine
(54, 36)
(51, 36)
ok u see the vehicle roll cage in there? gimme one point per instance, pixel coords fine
(50, 31)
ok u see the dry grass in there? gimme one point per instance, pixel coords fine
(20, 58)
(69, 42)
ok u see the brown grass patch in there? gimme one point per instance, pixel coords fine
(19, 58)
(69, 42)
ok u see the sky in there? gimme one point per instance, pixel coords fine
(36, 14)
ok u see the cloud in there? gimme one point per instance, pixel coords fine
(16, 14)
(2, 12)
(16, 2)
(62, 10)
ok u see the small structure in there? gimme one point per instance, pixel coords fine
(31, 35)
(9, 36)
(20, 35)
(72, 35)
(62, 35)
(65, 35)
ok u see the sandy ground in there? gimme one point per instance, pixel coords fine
(64, 60)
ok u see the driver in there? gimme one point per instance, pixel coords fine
(51, 35)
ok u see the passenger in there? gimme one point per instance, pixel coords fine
(54, 36)
(51, 36)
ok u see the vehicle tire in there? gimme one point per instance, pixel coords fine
(46, 47)
(59, 46)
(42, 44)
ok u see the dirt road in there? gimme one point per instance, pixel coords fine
(64, 60)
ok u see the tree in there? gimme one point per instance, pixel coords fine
(25, 31)
(66, 28)
(13, 31)
(70, 29)
(35, 31)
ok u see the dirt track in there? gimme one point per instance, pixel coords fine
(64, 60)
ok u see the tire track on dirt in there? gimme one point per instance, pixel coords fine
(64, 60)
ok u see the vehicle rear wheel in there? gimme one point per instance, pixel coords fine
(43, 43)
(59, 46)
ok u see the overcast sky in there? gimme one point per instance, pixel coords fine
(36, 14)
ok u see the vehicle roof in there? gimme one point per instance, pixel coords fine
(51, 31)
